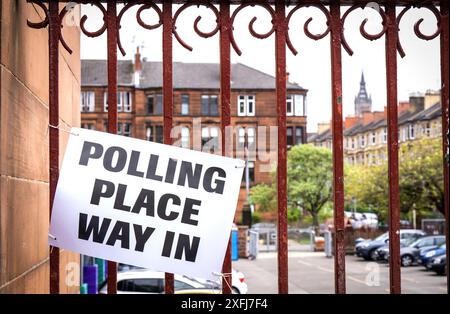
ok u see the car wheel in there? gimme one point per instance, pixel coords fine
(373, 255)
(235, 290)
(406, 260)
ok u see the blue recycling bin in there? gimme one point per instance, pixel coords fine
(90, 277)
(234, 245)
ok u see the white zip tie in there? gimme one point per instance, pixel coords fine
(222, 276)
(61, 129)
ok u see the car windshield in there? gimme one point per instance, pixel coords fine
(382, 237)
(413, 243)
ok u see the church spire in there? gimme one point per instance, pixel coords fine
(363, 103)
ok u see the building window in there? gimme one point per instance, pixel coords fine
(353, 143)
(87, 101)
(294, 136)
(428, 129)
(403, 134)
(295, 105)
(89, 126)
(185, 137)
(124, 129)
(209, 105)
(155, 104)
(124, 102)
(411, 131)
(210, 138)
(374, 138)
(385, 135)
(246, 105)
(185, 104)
(298, 135)
(251, 137)
(154, 133)
(289, 137)
(251, 173)
(362, 141)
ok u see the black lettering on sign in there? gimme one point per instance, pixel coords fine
(90, 150)
(98, 192)
(192, 176)
(189, 210)
(141, 237)
(120, 232)
(151, 169)
(167, 247)
(98, 232)
(219, 184)
(146, 199)
(184, 245)
(121, 159)
(162, 206)
(171, 167)
(120, 197)
(132, 167)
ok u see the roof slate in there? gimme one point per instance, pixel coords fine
(186, 75)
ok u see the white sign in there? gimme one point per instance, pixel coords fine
(145, 204)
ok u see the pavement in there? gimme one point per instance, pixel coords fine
(312, 272)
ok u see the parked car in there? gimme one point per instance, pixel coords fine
(427, 255)
(238, 284)
(410, 253)
(367, 249)
(439, 265)
(142, 281)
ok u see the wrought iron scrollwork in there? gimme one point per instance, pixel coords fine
(417, 30)
(151, 5)
(308, 33)
(144, 5)
(362, 27)
(199, 32)
(251, 24)
(84, 18)
(45, 22)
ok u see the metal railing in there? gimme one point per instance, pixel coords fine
(281, 13)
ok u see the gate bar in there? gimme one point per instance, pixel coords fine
(444, 107)
(280, 56)
(54, 32)
(225, 97)
(167, 98)
(392, 116)
(112, 31)
(338, 152)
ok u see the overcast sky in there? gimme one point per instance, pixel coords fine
(417, 72)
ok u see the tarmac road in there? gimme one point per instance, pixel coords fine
(312, 272)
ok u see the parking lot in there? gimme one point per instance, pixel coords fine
(312, 272)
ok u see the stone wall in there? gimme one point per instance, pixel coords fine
(24, 188)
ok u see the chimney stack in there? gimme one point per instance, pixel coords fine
(137, 61)
(137, 67)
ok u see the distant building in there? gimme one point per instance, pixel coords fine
(363, 101)
(365, 136)
(196, 95)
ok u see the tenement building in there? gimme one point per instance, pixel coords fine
(196, 109)
(365, 134)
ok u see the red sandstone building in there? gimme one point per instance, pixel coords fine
(196, 112)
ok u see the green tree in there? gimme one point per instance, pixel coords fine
(421, 176)
(309, 176)
(420, 181)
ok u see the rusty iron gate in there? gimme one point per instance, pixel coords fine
(54, 14)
